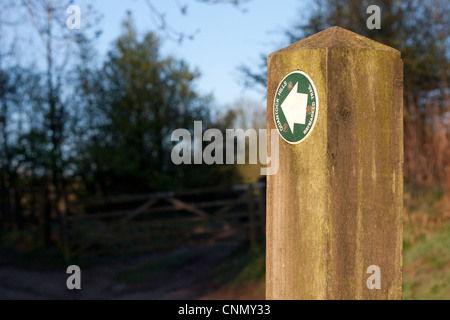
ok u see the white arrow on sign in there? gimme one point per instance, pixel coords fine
(294, 107)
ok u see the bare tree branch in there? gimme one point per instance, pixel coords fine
(176, 35)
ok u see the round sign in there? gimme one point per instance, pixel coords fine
(295, 107)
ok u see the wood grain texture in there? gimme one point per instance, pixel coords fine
(335, 206)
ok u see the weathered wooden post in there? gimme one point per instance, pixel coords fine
(334, 209)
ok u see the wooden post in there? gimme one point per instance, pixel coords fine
(251, 218)
(13, 208)
(47, 218)
(64, 232)
(334, 209)
(262, 211)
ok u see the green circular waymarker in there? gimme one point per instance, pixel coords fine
(295, 107)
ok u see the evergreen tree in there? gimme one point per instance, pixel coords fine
(142, 98)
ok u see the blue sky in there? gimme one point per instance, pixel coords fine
(227, 37)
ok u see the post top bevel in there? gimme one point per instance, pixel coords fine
(337, 37)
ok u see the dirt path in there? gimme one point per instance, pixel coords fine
(190, 280)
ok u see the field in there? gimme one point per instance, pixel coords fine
(426, 246)
(225, 269)
(426, 252)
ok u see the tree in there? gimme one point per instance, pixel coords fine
(143, 98)
(169, 31)
(45, 136)
(420, 30)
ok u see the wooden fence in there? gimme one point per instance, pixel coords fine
(141, 222)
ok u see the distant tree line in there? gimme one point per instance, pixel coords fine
(73, 127)
(420, 29)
